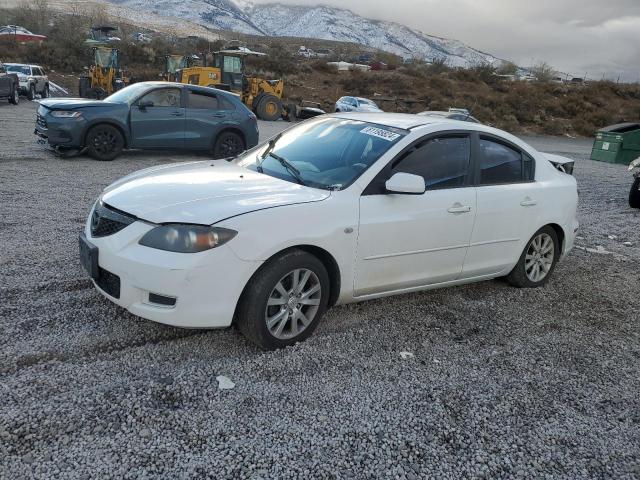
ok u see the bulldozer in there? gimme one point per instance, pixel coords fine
(104, 75)
(263, 97)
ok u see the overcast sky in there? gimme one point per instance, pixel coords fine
(575, 36)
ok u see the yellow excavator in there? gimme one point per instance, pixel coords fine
(263, 97)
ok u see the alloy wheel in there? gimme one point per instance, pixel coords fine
(293, 304)
(230, 146)
(539, 257)
(104, 142)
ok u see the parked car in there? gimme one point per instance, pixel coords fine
(21, 34)
(634, 193)
(148, 116)
(338, 209)
(356, 104)
(33, 79)
(452, 114)
(9, 85)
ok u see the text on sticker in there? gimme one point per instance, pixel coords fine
(380, 133)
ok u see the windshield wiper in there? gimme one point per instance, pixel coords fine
(260, 158)
(295, 173)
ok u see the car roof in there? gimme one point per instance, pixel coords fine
(405, 121)
(160, 83)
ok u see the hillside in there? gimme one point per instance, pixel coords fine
(319, 22)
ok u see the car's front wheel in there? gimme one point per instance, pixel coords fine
(228, 144)
(32, 92)
(538, 260)
(284, 301)
(104, 142)
(634, 194)
(46, 93)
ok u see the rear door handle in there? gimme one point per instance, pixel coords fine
(217, 115)
(528, 202)
(176, 114)
(457, 208)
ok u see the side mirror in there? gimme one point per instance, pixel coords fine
(144, 104)
(406, 183)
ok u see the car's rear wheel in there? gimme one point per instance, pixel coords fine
(104, 142)
(634, 194)
(284, 301)
(32, 92)
(538, 260)
(228, 144)
(15, 97)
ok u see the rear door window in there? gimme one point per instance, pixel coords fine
(204, 101)
(501, 163)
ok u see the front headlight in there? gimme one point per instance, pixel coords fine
(634, 164)
(183, 238)
(65, 114)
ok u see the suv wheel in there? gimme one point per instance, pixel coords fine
(32, 92)
(284, 301)
(15, 97)
(104, 142)
(634, 194)
(46, 93)
(228, 144)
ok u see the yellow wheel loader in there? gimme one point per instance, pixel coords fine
(263, 97)
(104, 75)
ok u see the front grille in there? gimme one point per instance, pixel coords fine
(40, 121)
(107, 220)
(108, 282)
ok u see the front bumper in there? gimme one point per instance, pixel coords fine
(206, 286)
(60, 132)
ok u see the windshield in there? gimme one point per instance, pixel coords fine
(328, 153)
(128, 94)
(24, 69)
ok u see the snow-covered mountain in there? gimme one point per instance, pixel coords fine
(321, 22)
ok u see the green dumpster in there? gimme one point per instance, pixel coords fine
(617, 143)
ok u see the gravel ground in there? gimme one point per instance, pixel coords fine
(502, 382)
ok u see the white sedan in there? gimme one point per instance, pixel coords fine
(338, 209)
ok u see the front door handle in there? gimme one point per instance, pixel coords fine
(458, 208)
(217, 115)
(528, 202)
(176, 114)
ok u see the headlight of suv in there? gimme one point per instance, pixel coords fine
(182, 238)
(65, 114)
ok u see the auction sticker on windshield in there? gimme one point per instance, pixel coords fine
(380, 133)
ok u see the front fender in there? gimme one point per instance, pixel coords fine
(117, 121)
(330, 224)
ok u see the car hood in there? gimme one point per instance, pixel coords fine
(202, 192)
(68, 103)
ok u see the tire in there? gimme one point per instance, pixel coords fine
(634, 194)
(269, 108)
(523, 277)
(104, 142)
(83, 86)
(46, 93)
(287, 327)
(14, 99)
(228, 144)
(32, 92)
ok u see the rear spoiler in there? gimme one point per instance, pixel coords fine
(562, 164)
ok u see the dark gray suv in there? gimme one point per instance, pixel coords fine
(150, 116)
